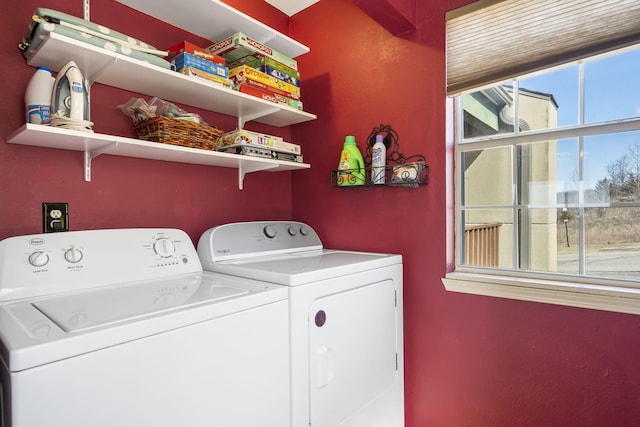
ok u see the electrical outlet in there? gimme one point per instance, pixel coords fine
(55, 217)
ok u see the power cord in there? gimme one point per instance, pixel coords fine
(58, 119)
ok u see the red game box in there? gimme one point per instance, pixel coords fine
(186, 47)
(270, 96)
(263, 87)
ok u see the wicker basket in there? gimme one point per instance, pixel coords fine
(178, 132)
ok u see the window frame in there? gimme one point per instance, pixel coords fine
(576, 291)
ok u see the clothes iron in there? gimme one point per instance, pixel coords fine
(70, 97)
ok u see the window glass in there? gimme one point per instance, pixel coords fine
(488, 112)
(488, 238)
(612, 168)
(612, 242)
(487, 177)
(554, 195)
(550, 99)
(567, 170)
(568, 243)
(537, 231)
(612, 87)
(537, 172)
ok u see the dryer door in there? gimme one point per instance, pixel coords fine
(353, 350)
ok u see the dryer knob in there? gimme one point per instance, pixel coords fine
(38, 259)
(270, 231)
(292, 230)
(304, 230)
(164, 247)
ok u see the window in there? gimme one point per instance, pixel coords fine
(547, 184)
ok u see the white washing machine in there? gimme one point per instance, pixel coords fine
(345, 313)
(122, 328)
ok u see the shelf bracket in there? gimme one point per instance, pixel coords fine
(91, 154)
(96, 75)
(242, 119)
(246, 167)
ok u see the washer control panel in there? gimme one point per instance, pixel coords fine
(243, 239)
(43, 264)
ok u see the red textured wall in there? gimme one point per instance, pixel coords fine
(470, 360)
(124, 192)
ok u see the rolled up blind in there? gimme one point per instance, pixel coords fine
(491, 40)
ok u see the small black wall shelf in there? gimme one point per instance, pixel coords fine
(400, 170)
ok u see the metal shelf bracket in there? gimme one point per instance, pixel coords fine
(242, 119)
(91, 154)
(248, 167)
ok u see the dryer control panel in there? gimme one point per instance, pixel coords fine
(249, 239)
(43, 264)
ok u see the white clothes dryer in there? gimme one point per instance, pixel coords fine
(346, 323)
(122, 328)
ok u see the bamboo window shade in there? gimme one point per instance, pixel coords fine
(489, 41)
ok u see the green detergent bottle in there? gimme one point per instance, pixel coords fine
(351, 167)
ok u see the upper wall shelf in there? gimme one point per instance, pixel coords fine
(113, 69)
(110, 68)
(214, 20)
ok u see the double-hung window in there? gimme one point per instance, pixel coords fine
(547, 152)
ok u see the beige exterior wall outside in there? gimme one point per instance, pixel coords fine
(488, 182)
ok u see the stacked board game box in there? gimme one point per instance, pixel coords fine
(186, 47)
(192, 60)
(276, 69)
(257, 70)
(239, 49)
(254, 82)
(259, 145)
(269, 95)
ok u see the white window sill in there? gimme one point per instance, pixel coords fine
(570, 293)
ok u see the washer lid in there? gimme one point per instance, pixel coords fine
(297, 268)
(43, 330)
(85, 310)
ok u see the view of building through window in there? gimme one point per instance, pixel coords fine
(550, 171)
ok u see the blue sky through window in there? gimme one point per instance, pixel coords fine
(612, 92)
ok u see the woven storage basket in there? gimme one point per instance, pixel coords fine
(178, 132)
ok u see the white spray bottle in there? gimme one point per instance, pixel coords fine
(378, 160)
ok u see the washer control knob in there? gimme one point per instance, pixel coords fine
(73, 255)
(164, 247)
(38, 259)
(304, 230)
(270, 231)
(292, 230)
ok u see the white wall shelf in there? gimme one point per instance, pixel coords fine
(110, 68)
(214, 20)
(94, 144)
(211, 19)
